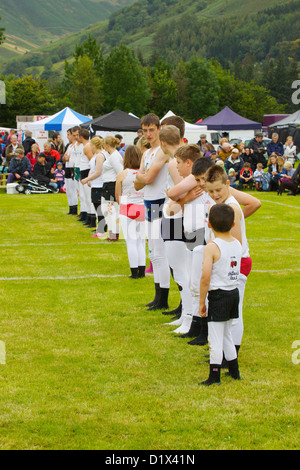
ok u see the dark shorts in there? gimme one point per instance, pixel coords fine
(223, 305)
(96, 195)
(84, 174)
(109, 191)
(154, 209)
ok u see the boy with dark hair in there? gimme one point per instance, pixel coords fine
(195, 203)
(219, 279)
(172, 230)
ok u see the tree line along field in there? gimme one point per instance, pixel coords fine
(88, 367)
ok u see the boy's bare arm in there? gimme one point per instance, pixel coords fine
(147, 178)
(181, 189)
(250, 203)
(236, 230)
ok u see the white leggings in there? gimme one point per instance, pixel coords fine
(79, 189)
(134, 234)
(87, 196)
(178, 260)
(71, 191)
(238, 324)
(220, 340)
(110, 210)
(195, 260)
(157, 254)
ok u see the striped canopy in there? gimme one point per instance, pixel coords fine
(61, 121)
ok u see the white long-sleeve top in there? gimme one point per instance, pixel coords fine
(112, 166)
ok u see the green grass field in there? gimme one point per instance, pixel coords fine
(88, 367)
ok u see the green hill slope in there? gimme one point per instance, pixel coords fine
(179, 29)
(32, 23)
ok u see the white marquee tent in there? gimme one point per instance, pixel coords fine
(192, 131)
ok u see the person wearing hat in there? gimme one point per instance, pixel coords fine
(19, 166)
(234, 161)
(202, 142)
(43, 172)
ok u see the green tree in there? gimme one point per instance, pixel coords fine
(91, 49)
(26, 96)
(84, 92)
(125, 82)
(179, 76)
(2, 37)
(202, 89)
(164, 92)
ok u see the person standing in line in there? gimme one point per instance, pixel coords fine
(112, 166)
(152, 176)
(132, 211)
(95, 181)
(77, 151)
(195, 203)
(85, 158)
(173, 231)
(219, 281)
(217, 186)
(68, 161)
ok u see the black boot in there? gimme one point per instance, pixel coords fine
(74, 210)
(82, 217)
(157, 295)
(214, 375)
(134, 273)
(88, 220)
(177, 311)
(92, 223)
(202, 338)
(233, 369)
(141, 271)
(70, 210)
(194, 330)
(162, 301)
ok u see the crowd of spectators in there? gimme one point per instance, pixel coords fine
(255, 166)
(247, 165)
(24, 160)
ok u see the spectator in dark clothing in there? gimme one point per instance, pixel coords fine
(28, 142)
(19, 167)
(256, 142)
(43, 172)
(234, 161)
(273, 170)
(275, 146)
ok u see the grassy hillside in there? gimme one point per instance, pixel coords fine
(33, 23)
(177, 29)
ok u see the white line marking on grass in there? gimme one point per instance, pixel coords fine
(57, 244)
(62, 278)
(275, 270)
(281, 204)
(114, 276)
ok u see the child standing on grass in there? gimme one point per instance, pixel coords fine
(220, 280)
